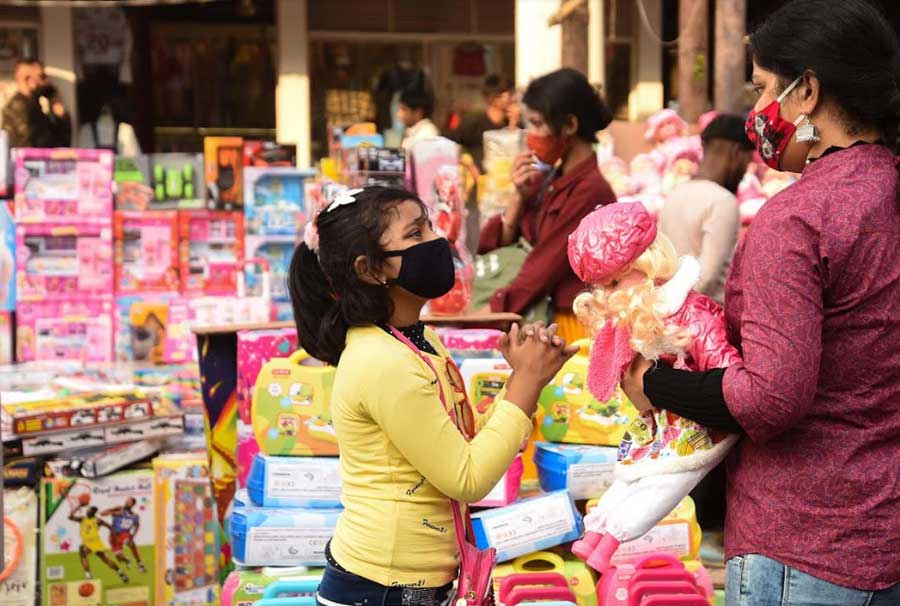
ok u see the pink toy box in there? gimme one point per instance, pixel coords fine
(146, 245)
(63, 262)
(507, 489)
(59, 184)
(255, 348)
(212, 250)
(65, 330)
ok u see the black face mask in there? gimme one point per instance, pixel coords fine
(427, 269)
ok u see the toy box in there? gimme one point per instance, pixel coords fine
(277, 251)
(62, 184)
(20, 508)
(224, 164)
(291, 408)
(7, 258)
(255, 348)
(310, 482)
(86, 409)
(527, 526)
(585, 471)
(186, 531)
(97, 538)
(100, 460)
(281, 537)
(246, 587)
(567, 412)
(6, 337)
(160, 181)
(141, 327)
(212, 249)
(366, 166)
(507, 489)
(274, 202)
(268, 153)
(63, 262)
(146, 245)
(484, 378)
(61, 330)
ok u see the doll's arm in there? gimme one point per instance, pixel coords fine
(709, 348)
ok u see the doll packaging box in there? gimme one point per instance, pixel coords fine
(63, 262)
(291, 408)
(60, 330)
(223, 158)
(528, 526)
(186, 531)
(146, 251)
(97, 539)
(56, 185)
(274, 201)
(211, 250)
(142, 322)
(7, 258)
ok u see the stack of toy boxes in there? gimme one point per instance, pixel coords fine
(7, 281)
(290, 508)
(64, 254)
(275, 214)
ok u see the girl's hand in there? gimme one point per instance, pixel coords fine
(525, 176)
(633, 383)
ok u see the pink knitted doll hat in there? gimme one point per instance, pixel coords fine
(606, 242)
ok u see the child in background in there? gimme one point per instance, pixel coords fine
(369, 263)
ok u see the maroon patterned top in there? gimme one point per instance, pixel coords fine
(813, 302)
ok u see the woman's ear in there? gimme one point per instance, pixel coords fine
(810, 92)
(570, 127)
(364, 273)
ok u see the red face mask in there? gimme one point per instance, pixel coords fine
(771, 133)
(548, 148)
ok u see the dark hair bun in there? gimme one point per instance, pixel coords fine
(566, 92)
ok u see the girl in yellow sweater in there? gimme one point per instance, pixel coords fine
(367, 268)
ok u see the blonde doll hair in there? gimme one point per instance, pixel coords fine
(637, 307)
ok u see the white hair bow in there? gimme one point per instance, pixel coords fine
(343, 199)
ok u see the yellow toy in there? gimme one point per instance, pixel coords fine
(291, 409)
(581, 579)
(567, 411)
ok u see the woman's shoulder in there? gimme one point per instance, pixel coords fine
(371, 354)
(594, 186)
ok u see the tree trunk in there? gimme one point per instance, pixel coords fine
(575, 39)
(693, 58)
(731, 55)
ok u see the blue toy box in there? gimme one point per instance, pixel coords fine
(586, 472)
(281, 537)
(309, 482)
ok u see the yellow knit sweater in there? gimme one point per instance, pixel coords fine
(402, 457)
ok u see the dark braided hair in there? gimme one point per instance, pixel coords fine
(327, 295)
(852, 50)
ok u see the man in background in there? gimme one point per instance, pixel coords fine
(36, 116)
(499, 95)
(701, 216)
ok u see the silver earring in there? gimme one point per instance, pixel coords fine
(807, 132)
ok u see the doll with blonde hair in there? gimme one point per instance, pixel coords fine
(642, 302)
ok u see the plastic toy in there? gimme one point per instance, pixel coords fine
(57, 185)
(146, 247)
(211, 250)
(97, 538)
(245, 587)
(586, 472)
(60, 330)
(657, 574)
(63, 262)
(307, 482)
(568, 412)
(223, 157)
(544, 567)
(527, 526)
(281, 537)
(663, 456)
(291, 409)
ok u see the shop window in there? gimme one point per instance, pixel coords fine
(348, 15)
(495, 16)
(432, 17)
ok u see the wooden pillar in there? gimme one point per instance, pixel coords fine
(58, 54)
(292, 102)
(537, 44)
(693, 58)
(575, 38)
(731, 55)
(596, 40)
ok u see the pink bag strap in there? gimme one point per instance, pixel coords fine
(462, 522)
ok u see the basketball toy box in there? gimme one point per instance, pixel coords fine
(567, 412)
(291, 409)
(97, 541)
(58, 184)
(186, 531)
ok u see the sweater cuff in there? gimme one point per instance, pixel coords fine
(693, 395)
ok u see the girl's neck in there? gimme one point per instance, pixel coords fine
(407, 309)
(580, 151)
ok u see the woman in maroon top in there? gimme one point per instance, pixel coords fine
(558, 183)
(813, 304)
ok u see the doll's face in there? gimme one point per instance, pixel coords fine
(625, 281)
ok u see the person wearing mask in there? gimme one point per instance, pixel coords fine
(701, 216)
(35, 116)
(499, 94)
(557, 184)
(813, 304)
(414, 110)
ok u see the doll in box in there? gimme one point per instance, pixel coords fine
(642, 301)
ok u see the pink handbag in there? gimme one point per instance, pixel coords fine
(474, 585)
